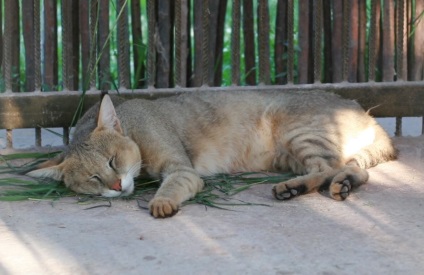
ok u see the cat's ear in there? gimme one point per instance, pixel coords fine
(107, 116)
(52, 168)
(53, 172)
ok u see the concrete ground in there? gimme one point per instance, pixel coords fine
(379, 229)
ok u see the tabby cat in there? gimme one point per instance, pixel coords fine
(327, 140)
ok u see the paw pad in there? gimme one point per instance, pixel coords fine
(340, 191)
(286, 194)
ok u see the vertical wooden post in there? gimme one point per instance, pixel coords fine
(103, 49)
(50, 47)
(235, 43)
(263, 42)
(123, 45)
(249, 43)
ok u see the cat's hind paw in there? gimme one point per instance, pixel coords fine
(340, 190)
(161, 207)
(282, 192)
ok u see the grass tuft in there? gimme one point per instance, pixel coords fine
(219, 191)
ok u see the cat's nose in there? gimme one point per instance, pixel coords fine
(117, 185)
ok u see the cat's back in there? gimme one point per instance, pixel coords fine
(209, 106)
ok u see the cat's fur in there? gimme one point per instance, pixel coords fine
(327, 139)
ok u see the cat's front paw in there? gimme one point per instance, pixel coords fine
(162, 207)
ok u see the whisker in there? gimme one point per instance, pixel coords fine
(133, 169)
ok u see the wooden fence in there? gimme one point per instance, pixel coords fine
(369, 50)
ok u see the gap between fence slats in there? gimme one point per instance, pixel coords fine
(138, 49)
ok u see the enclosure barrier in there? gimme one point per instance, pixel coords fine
(58, 55)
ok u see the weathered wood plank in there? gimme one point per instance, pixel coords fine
(104, 46)
(219, 48)
(354, 41)
(11, 46)
(388, 33)
(280, 43)
(327, 26)
(56, 109)
(123, 45)
(304, 42)
(50, 58)
(164, 44)
(362, 41)
(337, 41)
(416, 64)
(263, 42)
(28, 34)
(249, 43)
(197, 77)
(84, 26)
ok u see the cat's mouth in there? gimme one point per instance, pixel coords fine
(113, 194)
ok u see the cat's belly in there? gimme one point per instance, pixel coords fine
(253, 150)
(211, 162)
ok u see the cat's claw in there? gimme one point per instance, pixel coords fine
(340, 190)
(163, 207)
(284, 193)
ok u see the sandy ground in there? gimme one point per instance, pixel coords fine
(379, 229)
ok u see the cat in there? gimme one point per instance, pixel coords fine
(325, 139)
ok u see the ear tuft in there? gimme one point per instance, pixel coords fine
(107, 115)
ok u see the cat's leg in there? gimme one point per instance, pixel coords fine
(180, 183)
(318, 157)
(339, 182)
(347, 178)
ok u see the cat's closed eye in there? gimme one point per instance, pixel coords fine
(96, 178)
(112, 163)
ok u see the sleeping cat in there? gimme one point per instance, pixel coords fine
(327, 140)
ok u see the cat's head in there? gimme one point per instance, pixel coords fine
(104, 164)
